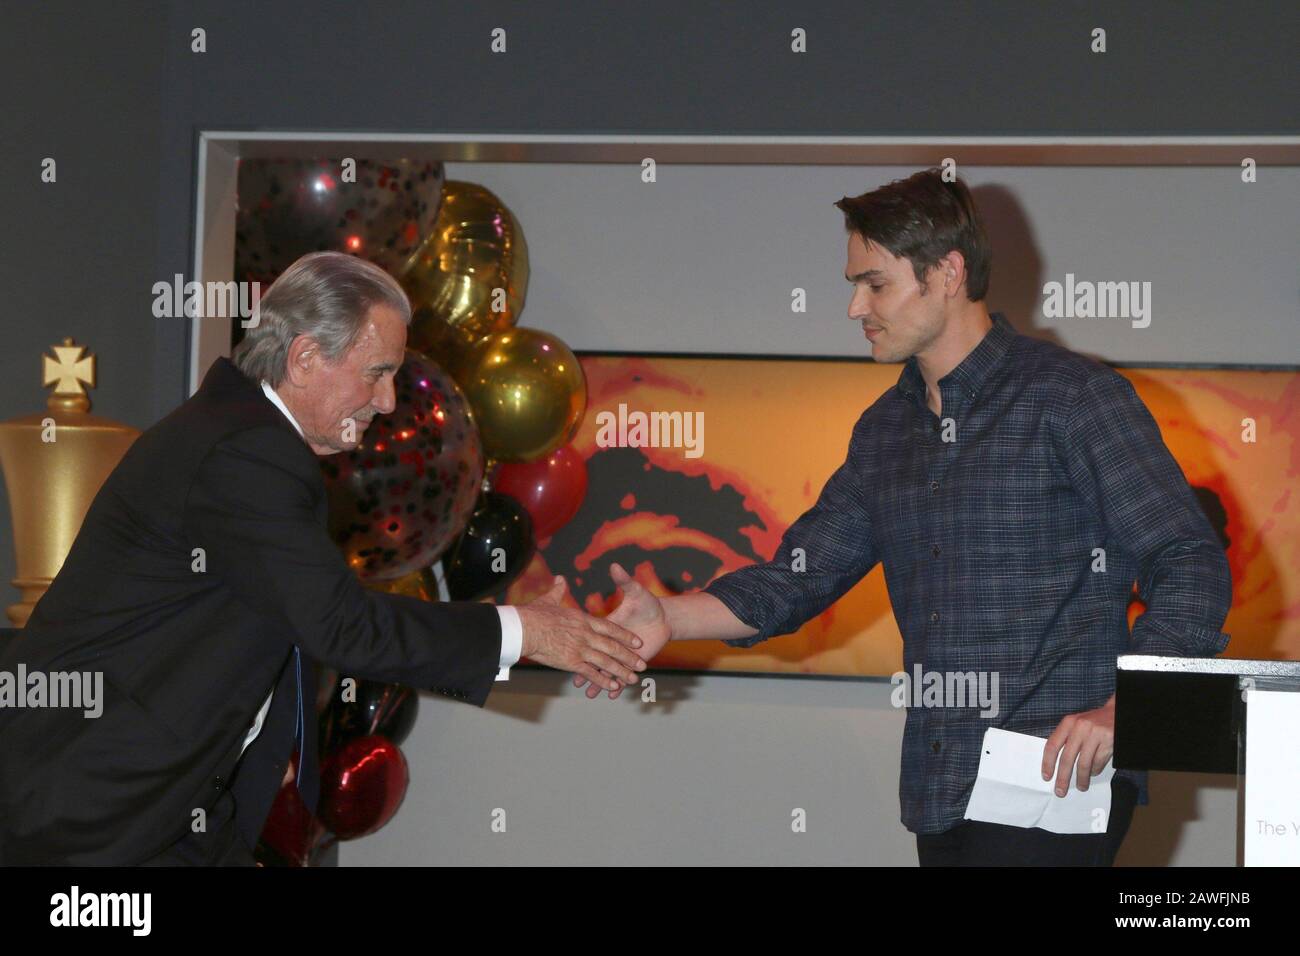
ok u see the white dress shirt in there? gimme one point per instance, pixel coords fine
(512, 632)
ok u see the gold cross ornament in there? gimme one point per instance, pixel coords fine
(69, 370)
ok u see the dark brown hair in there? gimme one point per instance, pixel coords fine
(922, 219)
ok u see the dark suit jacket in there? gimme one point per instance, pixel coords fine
(188, 656)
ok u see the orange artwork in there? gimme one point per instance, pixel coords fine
(676, 516)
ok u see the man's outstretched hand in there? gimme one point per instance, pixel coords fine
(641, 613)
(597, 649)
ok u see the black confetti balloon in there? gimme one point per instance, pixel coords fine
(290, 207)
(401, 497)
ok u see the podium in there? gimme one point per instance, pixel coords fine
(1220, 715)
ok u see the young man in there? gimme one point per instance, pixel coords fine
(1014, 491)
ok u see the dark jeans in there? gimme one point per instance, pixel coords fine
(220, 845)
(975, 843)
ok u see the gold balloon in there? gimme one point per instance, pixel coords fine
(476, 247)
(418, 584)
(528, 393)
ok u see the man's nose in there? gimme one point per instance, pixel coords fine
(858, 306)
(385, 397)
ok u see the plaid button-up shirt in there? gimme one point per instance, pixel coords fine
(988, 519)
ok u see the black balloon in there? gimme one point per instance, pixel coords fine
(386, 709)
(494, 549)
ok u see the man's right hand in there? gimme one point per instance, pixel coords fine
(643, 614)
(569, 640)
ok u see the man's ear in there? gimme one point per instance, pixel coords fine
(954, 271)
(304, 353)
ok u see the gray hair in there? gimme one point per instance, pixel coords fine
(326, 295)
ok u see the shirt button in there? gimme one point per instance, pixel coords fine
(934, 486)
(934, 617)
(935, 746)
(936, 550)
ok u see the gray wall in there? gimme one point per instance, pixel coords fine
(707, 774)
(705, 258)
(113, 94)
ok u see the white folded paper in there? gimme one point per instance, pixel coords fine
(1010, 789)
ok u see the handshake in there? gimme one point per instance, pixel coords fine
(603, 652)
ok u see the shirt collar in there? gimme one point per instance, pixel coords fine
(278, 402)
(971, 372)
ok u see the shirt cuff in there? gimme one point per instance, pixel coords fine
(512, 640)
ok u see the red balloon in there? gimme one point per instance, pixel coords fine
(361, 786)
(551, 489)
(290, 829)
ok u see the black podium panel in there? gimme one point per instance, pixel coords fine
(1176, 721)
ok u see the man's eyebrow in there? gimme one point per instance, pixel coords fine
(382, 367)
(869, 274)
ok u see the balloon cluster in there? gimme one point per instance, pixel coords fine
(363, 776)
(471, 469)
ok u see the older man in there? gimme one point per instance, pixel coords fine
(202, 577)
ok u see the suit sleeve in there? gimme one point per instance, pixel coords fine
(1119, 465)
(253, 510)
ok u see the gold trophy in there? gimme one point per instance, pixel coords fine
(53, 464)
